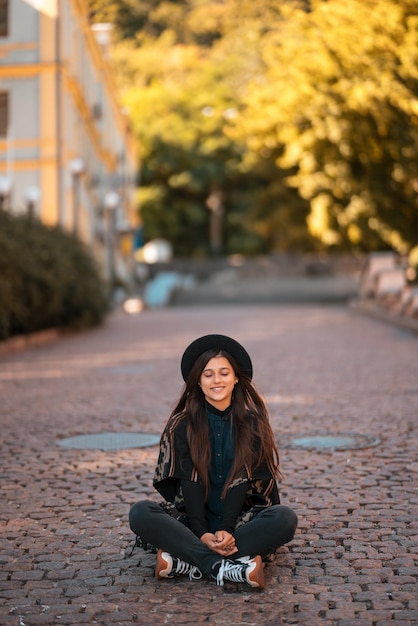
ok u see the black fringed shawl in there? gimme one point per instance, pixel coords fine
(175, 464)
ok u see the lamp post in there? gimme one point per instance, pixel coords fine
(32, 196)
(111, 203)
(215, 205)
(5, 189)
(76, 169)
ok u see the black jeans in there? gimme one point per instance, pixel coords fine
(270, 529)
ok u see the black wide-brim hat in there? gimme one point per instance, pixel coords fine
(217, 342)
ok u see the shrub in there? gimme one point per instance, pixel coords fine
(48, 279)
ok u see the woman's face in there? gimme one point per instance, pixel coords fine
(217, 382)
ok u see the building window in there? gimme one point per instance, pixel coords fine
(4, 18)
(4, 113)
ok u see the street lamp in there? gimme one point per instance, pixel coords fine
(32, 196)
(76, 169)
(216, 207)
(5, 189)
(111, 203)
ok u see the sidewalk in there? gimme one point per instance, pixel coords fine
(65, 543)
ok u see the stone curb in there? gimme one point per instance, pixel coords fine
(21, 342)
(378, 312)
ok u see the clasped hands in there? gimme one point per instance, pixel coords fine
(221, 542)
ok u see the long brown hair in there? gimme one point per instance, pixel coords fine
(254, 440)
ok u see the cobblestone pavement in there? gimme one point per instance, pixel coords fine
(65, 543)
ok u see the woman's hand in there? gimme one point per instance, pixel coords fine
(221, 542)
(226, 542)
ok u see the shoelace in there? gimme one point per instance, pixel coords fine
(195, 573)
(181, 567)
(234, 572)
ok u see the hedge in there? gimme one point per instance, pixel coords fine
(48, 279)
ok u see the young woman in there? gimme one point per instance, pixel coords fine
(218, 468)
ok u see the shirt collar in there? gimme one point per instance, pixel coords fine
(214, 411)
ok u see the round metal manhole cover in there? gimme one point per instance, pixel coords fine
(110, 441)
(326, 442)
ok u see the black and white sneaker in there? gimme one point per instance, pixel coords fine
(249, 571)
(169, 566)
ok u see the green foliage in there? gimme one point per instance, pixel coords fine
(340, 98)
(189, 21)
(47, 279)
(301, 115)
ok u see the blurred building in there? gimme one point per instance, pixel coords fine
(66, 151)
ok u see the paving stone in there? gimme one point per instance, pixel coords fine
(65, 544)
